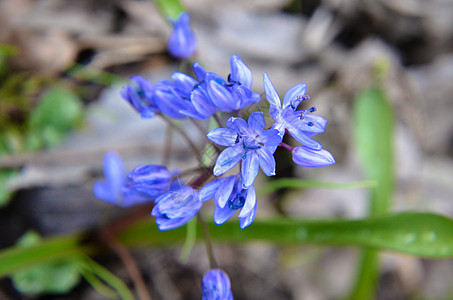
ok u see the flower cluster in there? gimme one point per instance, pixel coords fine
(250, 144)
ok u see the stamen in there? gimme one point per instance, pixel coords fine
(237, 202)
(310, 124)
(312, 109)
(303, 97)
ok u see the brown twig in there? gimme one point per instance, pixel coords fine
(129, 262)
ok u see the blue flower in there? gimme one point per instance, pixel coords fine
(236, 93)
(248, 142)
(115, 189)
(311, 158)
(182, 43)
(216, 285)
(176, 207)
(140, 96)
(229, 196)
(299, 123)
(201, 105)
(151, 179)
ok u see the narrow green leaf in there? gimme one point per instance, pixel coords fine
(295, 183)
(112, 280)
(373, 130)
(170, 8)
(368, 275)
(18, 258)
(405, 233)
(97, 284)
(374, 139)
(191, 238)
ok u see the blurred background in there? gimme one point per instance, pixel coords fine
(62, 64)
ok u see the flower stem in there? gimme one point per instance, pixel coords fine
(207, 240)
(194, 148)
(286, 146)
(217, 119)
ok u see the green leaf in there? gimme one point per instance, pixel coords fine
(191, 238)
(405, 233)
(170, 8)
(58, 112)
(18, 258)
(295, 183)
(56, 277)
(374, 139)
(104, 274)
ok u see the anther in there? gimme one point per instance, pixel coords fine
(310, 124)
(312, 109)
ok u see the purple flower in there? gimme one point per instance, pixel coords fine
(176, 207)
(311, 158)
(248, 142)
(115, 189)
(236, 93)
(150, 179)
(299, 123)
(229, 196)
(140, 96)
(182, 43)
(216, 286)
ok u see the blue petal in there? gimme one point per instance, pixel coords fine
(224, 191)
(250, 168)
(208, 191)
(249, 100)
(168, 224)
(270, 137)
(105, 191)
(183, 81)
(216, 286)
(221, 96)
(267, 161)
(114, 169)
(292, 95)
(256, 122)
(221, 215)
(307, 157)
(169, 102)
(302, 138)
(223, 136)
(144, 84)
(182, 43)
(179, 203)
(247, 220)
(227, 159)
(271, 93)
(240, 72)
(250, 202)
(202, 103)
(318, 124)
(238, 125)
(150, 174)
(199, 71)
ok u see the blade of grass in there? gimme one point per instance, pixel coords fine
(374, 140)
